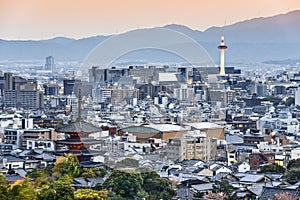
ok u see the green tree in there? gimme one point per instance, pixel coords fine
(88, 173)
(59, 189)
(225, 188)
(125, 184)
(93, 172)
(15, 190)
(295, 163)
(67, 164)
(34, 173)
(292, 175)
(26, 191)
(46, 193)
(99, 171)
(63, 189)
(40, 177)
(272, 168)
(47, 170)
(156, 187)
(290, 101)
(4, 184)
(89, 194)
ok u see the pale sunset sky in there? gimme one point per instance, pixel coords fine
(43, 19)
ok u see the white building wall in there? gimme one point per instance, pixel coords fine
(295, 153)
(244, 167)
(297, 96)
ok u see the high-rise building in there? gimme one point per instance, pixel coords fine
(71, 86)
(49, 65)
(20, 92)
(51, 89)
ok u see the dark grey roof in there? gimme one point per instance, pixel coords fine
(252, 178)
(38, 151)
(139, 129)
(199, 169)
(216, 168)
(94, 181)
(256, 189)
(190, 162)
(203, 187)
(25, 153)
(88, 164)
(12, 178)
(13, 159)
(20, 172)
(45, 156)
(79, 126)
(269, 192)
(183, 193)
(81, 182)
(87, 182)
(219, 176)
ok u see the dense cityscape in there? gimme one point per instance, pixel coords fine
(150, 131)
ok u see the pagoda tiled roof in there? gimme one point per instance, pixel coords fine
(79, 126)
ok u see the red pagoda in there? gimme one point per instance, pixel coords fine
(77, 140)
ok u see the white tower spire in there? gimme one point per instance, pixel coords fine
(222, 48)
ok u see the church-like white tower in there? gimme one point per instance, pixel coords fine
(222, 48)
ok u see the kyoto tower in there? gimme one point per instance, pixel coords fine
(222, 48)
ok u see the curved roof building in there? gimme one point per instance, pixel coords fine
(160, 131)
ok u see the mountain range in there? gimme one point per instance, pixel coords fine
(262, 39)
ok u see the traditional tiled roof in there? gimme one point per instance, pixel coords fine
(13, 159)
(13, 178)
(270, 192)
(203, 187)
(79, 126)
(252, 178)
(219, 176)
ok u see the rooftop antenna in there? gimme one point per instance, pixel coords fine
(79, 104)
(223, 27)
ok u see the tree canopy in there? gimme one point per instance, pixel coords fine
(137, 185)
(55, 182)
(272, 168)
(292, 174)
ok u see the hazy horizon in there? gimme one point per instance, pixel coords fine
(37, 20)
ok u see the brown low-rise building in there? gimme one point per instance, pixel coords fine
(254, 139)
(258, 159)
(159, 131)
(211, 130)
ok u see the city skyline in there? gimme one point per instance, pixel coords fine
(36, 20)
